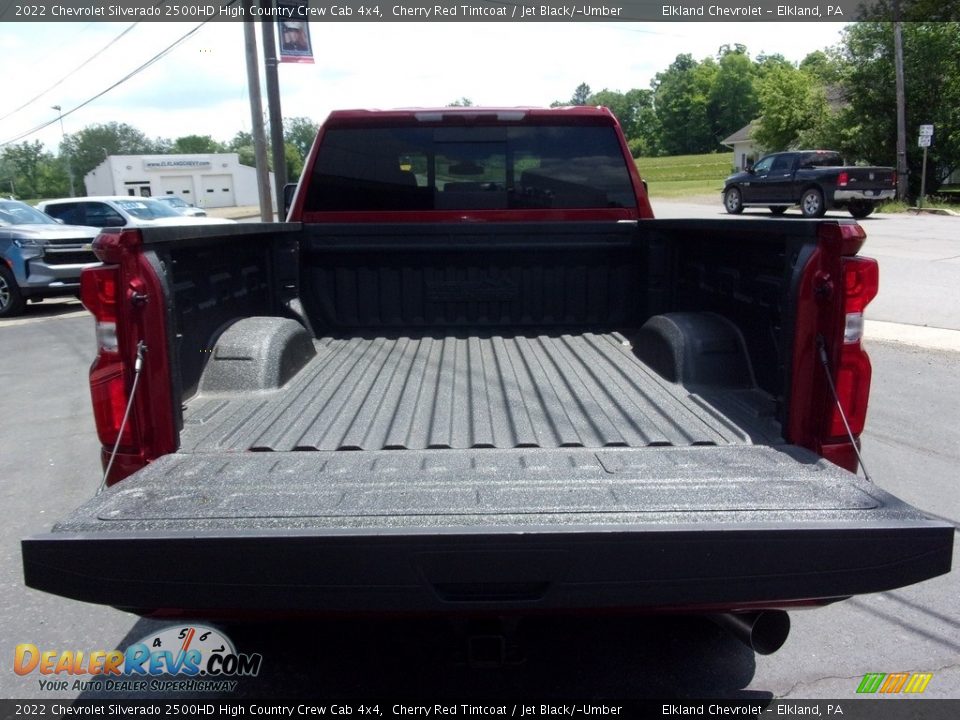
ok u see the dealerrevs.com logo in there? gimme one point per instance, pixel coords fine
(199, 658)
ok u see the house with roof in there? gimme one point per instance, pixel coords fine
(744, 148)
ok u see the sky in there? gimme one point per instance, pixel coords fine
(200, 87)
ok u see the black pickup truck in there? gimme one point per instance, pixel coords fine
(816, 180)
(473, 375)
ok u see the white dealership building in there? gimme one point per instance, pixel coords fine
(207, 180)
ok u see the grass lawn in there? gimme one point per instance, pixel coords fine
(895, 206)
(678, 189)
(684, 176)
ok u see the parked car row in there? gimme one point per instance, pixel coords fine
(43, 250)
(120, 211)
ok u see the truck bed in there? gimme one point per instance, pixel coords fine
(449, 391)
(461, 472)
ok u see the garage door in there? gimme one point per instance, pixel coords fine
(179, 185)
(217, 191)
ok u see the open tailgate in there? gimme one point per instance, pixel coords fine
(470, 530)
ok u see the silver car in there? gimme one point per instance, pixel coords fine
(120, 211)
(181, 205)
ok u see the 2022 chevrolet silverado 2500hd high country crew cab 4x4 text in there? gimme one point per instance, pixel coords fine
(816, 180)
(472, 374)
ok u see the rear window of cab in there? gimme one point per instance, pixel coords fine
(472, 168)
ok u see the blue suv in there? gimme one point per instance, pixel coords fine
(39, 257)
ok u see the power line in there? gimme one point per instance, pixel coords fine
(78, 67)
(119, 82)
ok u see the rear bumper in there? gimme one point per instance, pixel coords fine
(485, 530)
(843, 196)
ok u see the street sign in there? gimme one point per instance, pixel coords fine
(924, 141)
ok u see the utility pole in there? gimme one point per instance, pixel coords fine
(273, 110)
(256, 114)
(901, 104)
(66, 152)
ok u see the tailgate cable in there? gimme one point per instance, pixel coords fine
(822, 350)
(137, 367)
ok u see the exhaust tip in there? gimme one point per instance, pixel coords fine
(764, 632)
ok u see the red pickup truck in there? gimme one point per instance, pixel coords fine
(472, 374)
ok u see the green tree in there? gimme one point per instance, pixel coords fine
(241, 139)
(89, 147)
(196, 144)
(791, 102)
(580, 95)
(681, 97)
(826, 70)
(242, 144)
(732, 100)
(162, 146)
(769, 63)
(932, 89)
(29, 171)
(300, 132)
(8, 176)
(294, 161)
(825, 66)
(462, 102)
(634, 111)
(52, 178)
(21, 164)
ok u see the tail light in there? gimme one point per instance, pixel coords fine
(126, 297)
(853, 372)
(835, 287)
(842, 179)
(894, 174)
(99, 292)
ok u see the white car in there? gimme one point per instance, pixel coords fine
(120, 211)
(181, 205)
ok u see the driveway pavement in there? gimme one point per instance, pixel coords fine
(919, 259)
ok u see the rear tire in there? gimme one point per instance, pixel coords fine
(733, 201)
(860, 210)
(811, 203)
(778, 209)
(11, 299)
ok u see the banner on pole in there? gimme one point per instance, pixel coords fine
(295, 44)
